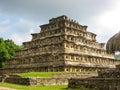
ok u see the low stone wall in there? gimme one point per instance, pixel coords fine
(74, 75)
(35, 81)
(95, 83)
(16, 80)
(19, 70)
(51, 81)
(110, 74)
(0, 78)
(56, 79)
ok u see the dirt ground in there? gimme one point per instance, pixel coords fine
(5, 88)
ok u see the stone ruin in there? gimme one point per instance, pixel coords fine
(65, 45)
(106, 80)
(62, 45)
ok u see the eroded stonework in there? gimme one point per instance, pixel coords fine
(107, 80)
(62, 45)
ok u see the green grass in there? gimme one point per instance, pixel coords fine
(56, 87)
(40, 74)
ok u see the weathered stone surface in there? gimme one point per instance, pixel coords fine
(56, 79)
(61, 45)
(107, 80)
(75, 75)
(95, 83)
(35, 81)
(15, 80)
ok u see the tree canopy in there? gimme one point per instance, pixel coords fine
(7, 50)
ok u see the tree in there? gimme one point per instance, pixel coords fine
(11, 47)
(3, 52)
(7, 50)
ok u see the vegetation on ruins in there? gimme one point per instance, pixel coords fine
(40, 74)
(7, 50)
(54, 87)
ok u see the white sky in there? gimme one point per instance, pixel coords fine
(20, 18)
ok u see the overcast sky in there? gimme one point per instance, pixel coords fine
(20, 18)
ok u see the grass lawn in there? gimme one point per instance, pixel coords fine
(40, 74)
(56, 87)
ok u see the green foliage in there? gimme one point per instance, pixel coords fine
(11, 47)
(7, 50)
(54, 87)
(40, 74)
